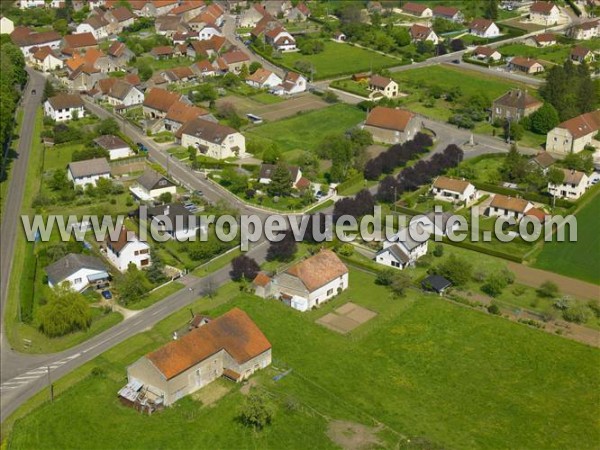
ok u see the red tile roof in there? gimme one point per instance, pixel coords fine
(389, 118)
(542, 7)
(318, 270)
(582, 125)
(261, 279)
(80, 40)
(160, 99)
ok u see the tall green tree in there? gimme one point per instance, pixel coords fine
(544, 119)
(281, 181)
(66, 311)
(491, 9)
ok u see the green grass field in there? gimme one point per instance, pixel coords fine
(341, 59)
(306, 131)
(577, 259)
(556, 54)
(423, 367)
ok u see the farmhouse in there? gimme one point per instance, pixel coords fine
(204, 68)
(508, 207)
(64, 107)
(115, 146)
(403, 249)
(448, 13)
(46, 59)
(119, 19)
(83, 41)
(79, 270)
(585, 31)
(514, 105)
(542, 40)
(158, 101)
(293, 83)
(392, 126)
(575, 134)
(212, 139)
(452, 190)
(25, 38)
(487, 53)
(544, 13)
(231, 346)
(127, 249)
(251, 16)
(417, 9)
(484, 28)
(422, 33)
(526, 65)
(174, 220)
(573, 186)
(95, 24)
(307, 284)
(383, 86)
(298, 13)
(263, 78)
(82, 173)
(232, 61)
(151, 185)
(180, 113)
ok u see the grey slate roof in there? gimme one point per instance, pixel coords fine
(110, 142)
(68, 265)
(89, 167)
(150, 180)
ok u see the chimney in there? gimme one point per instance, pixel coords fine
(167, 209)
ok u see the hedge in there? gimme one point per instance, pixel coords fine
(531, 196)
(350, 182)
(485, 250)
(371, 267)
(407, 211)
(574, 7)
(27, 285)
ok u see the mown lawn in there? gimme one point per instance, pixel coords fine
(341, 59)
(556, 54)
(577, 259)
(423, 367)
(306, 131)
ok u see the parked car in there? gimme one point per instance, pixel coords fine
(107, 295)
(198, 193)
(141, 147)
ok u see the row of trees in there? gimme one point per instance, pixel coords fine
(347, 152)
(12, 78)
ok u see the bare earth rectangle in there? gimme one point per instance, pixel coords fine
(346, 308)
(361, 315)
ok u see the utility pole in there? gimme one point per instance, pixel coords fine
(50, 385)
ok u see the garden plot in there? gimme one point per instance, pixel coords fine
(346, 318)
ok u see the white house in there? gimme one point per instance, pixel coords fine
(127, 249)
(207, 31)
(263, 78)
(544, 13)
(63, 107)
(280, 39)
(25, 4)
(585, 31)
(404, 248)
(484, 28)
(417, 9)
(266, 172)
(487, 53)
(507, 207)
(26, 39)
(309, 283)
(7, 26)
(174, 220)
(448, 13)
(422, 33)
(151, 185)
(115, 146)
(383, 86)
(212, 139)
(45, 59)
(251, 16)
(573, 186)
(123, 93)
(95, 24)
(79, 270)
(293, 83)
(82, 173)
(573, 135)
(452, 190)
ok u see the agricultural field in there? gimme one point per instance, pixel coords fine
(306, 131)
(403, 374)
(577, 259)
(341, 59)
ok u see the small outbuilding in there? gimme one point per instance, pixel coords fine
(436, 283)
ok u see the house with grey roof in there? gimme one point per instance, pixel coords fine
(212, 139)
(79, 270)
(151, 185)
(82, 173)
(403, 249)
(114, 145)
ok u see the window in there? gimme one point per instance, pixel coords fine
(77, 280)
(395, 264)
(329, 291)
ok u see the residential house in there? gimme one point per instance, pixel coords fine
(84, 78)
(180, 113)
(204, 68)
(543, 161)
(174, 220)
(231, 346)
(64, 107)
(484, 28)
(154, 8)
(95, 24)
(266, 172)
(526, 65)
(212, 139)
(293, 83)
(544, 13)
(205, 30)
(404, 248)
(487, 53)
(278, 8)
(580, 55)
(542, 40)
(508, 207)
(25, 38)
(151, 185)
(127, 249)
(417, 9)
(298, 13)
(207, 48)
(232, 61)
(163, 52)
(514, 105)
(392, 126)
(179, 75)
(573, 135)
(573, 186)
(585, 31)
(448, 13)
(7, 26)
(26, 4)
(119, 19)
(452, 190)
(78, 270)
(340, 37)
(82, 173)
(383, 86)
(251, 16)
(310, 282)
(78, 42)
(169, 26)
(263, 79)
(182, 37)
(117, 58)
(114, 145)
(46, 60)
(280, 39)
(158, 101)
(187, 10)
(123, 93)
(422, 33)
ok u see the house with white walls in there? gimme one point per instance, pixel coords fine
(82, 173)
(78, 270)
(574, 185)
(404, 248)
(127, 249)
(63, 107)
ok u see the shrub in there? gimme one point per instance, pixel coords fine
(548, 289)
(438, 251)
(385, 277)
(493, 309)
(577, 314)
